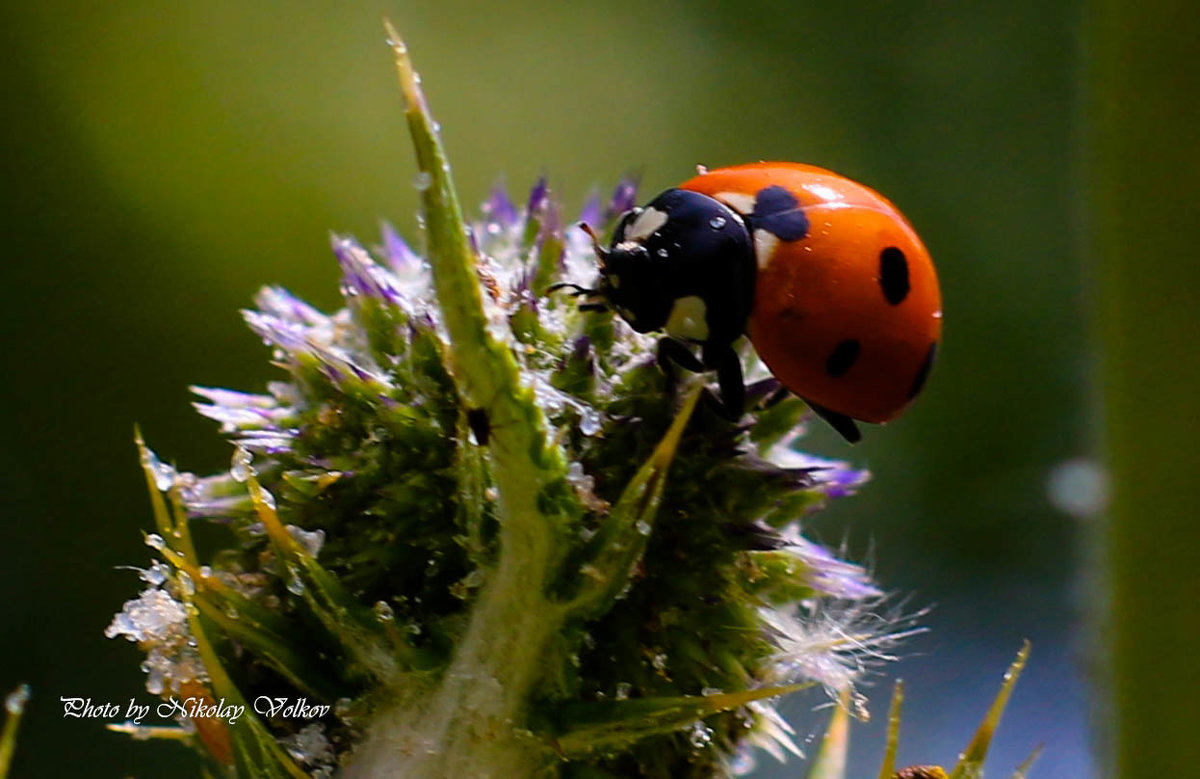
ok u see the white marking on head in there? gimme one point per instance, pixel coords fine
(764, 246)
(738, 201)
(687, 319)
(645, 224)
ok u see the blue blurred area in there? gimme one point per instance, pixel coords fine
(163, 161)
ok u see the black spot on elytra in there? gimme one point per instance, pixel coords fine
(842, 358)
(777, 211)
(893, 275)
(923, 371)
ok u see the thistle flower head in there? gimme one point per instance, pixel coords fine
(486, 531)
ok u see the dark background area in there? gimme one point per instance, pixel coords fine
(162, 162)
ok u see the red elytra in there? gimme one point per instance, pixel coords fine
(848, 316)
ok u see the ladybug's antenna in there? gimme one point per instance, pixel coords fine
(601, 252)
(576, 290)
(587, 228)
(580, 291)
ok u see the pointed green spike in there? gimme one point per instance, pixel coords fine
(888, 767)
(149, 732)
(1023, 769)
(970, 764)
(14, 705)
(615, 724)
(162, 518)
(830, 760)
(620, 541)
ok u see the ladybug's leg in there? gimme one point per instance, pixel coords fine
(765, 392)
(729, 378)
(776, 397)
(839, 422)
(672, 352)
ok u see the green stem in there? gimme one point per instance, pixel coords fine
(1141, 178)
(472, 724)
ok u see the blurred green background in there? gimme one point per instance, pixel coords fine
(162, 161)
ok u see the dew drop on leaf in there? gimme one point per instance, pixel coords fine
(16, 700)
(383, 612)
(240, 468)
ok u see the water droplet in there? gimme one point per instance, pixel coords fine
(623, 690)
(663, 253)
(311, 540)
(155, 541)
(707, 691)
(717, 222)
(294, 585)
(164, 475)
(659, 661)
(16, 700)
(206, 571)
(701, 735)
(589, 421)
(185, 583)
(383, 612)
(240, 468)
(156, 574)
(743, 762)
(643, 527)
(267, 498)
(423, 180)
(232, 613)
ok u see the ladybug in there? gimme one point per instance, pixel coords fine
(827, 278)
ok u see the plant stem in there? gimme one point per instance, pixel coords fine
(1141, 176)
(472, 723)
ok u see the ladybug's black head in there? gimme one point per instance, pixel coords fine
(631, 281)
(684, 263)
